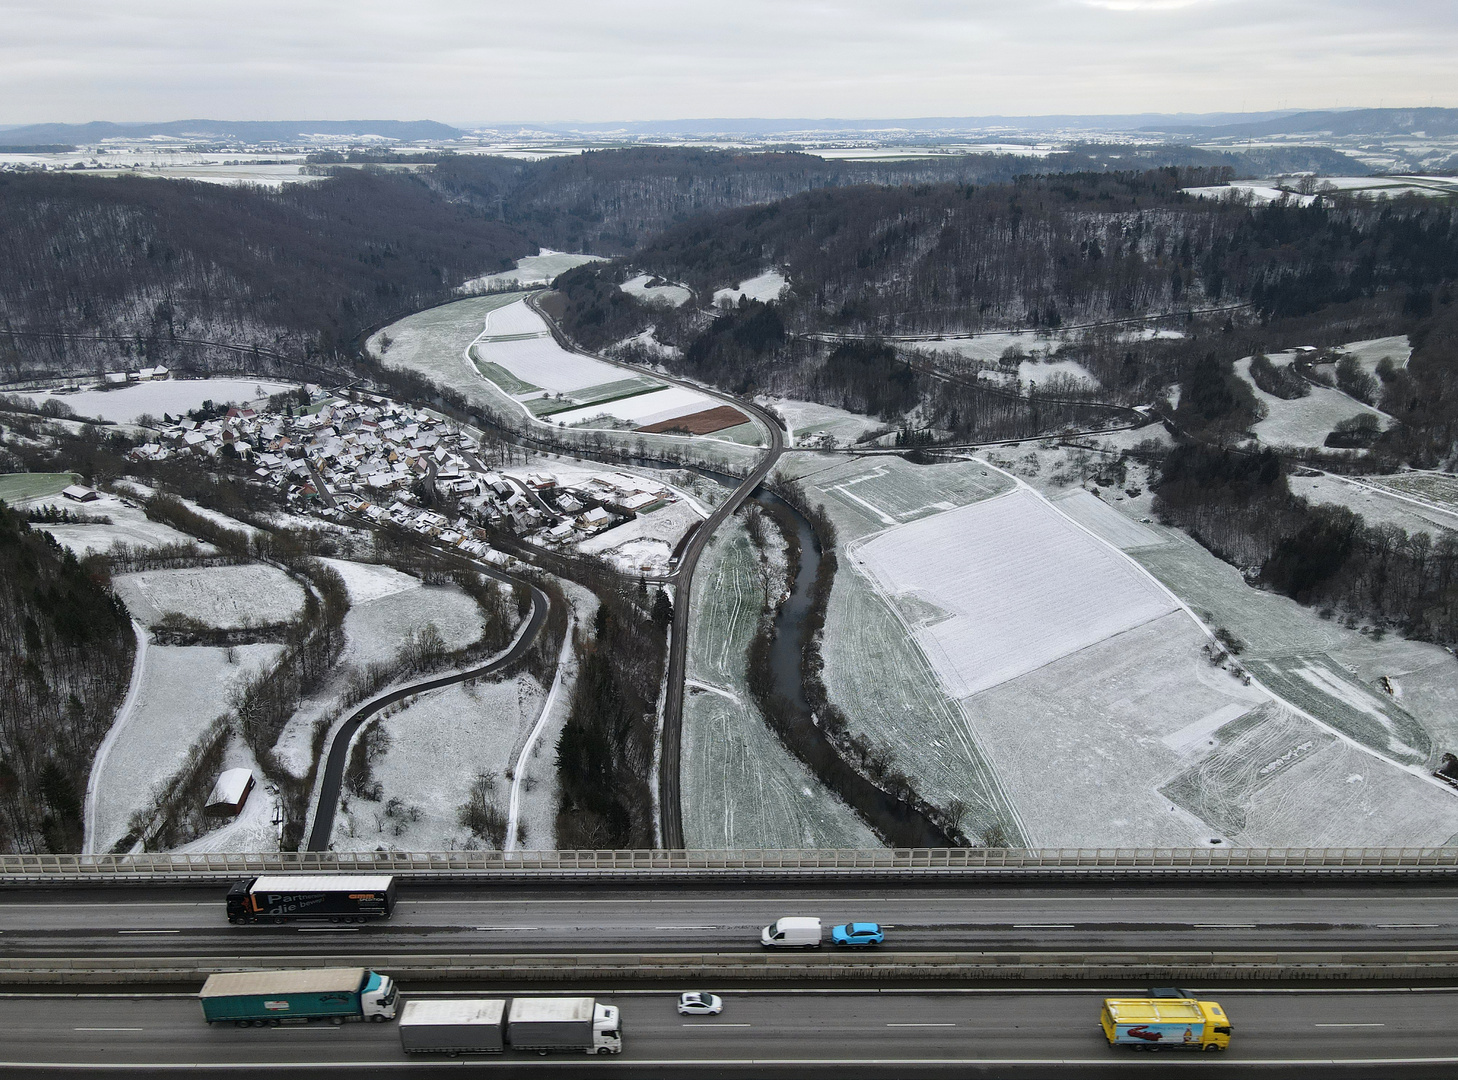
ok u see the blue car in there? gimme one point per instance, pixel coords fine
(858, 933)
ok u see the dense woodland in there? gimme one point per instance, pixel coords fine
(163, 264)
(66, 649)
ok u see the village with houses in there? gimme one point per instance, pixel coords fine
(374, 457)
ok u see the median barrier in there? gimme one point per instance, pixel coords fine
(952, 864)
(880, 969)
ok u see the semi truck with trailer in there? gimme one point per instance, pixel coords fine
(270, 998)
(1156, 1022)
(337, 897)
(491, 1025)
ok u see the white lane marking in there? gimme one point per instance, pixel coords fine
(1223, 926)
(489, 928)
(149, 931)
(710, 1027)
(108, 1029)
(1043, 926)
(1348, 1025)
(1407, 926)
(921, 1025)
(685, 928)
(395, 1065)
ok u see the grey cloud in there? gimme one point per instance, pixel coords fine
(606, 59)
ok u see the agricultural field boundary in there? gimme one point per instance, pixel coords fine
(1415, 770)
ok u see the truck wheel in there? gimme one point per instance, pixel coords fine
(337, 1021)
(241, 1023)
(378, 1019)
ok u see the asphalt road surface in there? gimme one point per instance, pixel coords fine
(769, 1034)
(338, 751)
(670, 810)
(100, 921)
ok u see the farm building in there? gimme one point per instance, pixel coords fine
(78, 493)
(229, 793)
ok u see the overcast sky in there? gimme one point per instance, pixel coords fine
(482, 61)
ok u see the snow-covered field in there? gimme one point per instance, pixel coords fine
(434, 343)
(1306, 421)
(989, 347)
(643, 409)
(517, 339)
(644, 544)
(224, 597)
(672, 295)
(1082, 743)
(129, 525)
(537, 269)
(174, 396)
(765, 287)
(438, 744)
(866, 495)
(369, 581)
(1376, 506)
(21, 488)
(1101, 519)
(1280, 632)
(807, 417)
(740, 786)
(1370, 352)
(183, 690)
(379, 628)
(1040, 372)
(997, 589)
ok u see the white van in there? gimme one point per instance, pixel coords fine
(791, 933)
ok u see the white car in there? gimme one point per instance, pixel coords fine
(698, 1003)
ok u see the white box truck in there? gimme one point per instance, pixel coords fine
(566, 1023)
(791, 932)
(458, 1026)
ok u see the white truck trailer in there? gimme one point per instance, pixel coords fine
(490, 1025)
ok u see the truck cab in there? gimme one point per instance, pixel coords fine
(378, 998)
(607, 1032)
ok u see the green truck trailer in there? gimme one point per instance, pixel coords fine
(270, 998)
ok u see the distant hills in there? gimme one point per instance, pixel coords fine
(241, 132)
(1378, 122)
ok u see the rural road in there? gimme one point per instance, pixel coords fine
(768, 1033)
(88, 922)
(337, 753)
(670, 805)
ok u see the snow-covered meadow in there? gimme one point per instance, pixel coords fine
(517, 340)
(438, 744)
(1101, 519)
(999, 588)
(222, 597)
(175, 396)
(183, 690)
(1305, 421)
(129, 525)
(640, 287)
(740, 787)
(764, 287)
(537, 269)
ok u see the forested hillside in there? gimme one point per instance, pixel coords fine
(65, 661)
(1048, 251)
(610, 201)
(161, 261)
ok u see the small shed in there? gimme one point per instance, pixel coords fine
(79, 494)
(229, 793)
